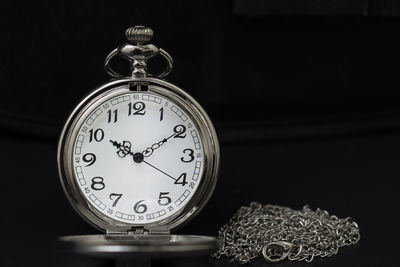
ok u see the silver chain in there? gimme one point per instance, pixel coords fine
(279, 232)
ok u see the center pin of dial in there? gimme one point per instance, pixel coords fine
(138, 157)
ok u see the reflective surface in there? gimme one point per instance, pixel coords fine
(138, 246)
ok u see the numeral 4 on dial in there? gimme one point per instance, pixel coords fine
(181, 180)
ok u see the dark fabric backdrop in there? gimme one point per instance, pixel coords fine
(262, 67)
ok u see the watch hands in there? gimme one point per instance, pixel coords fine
(159, 170)
(149, 151)
(124, 149)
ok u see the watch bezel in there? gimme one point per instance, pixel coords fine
(206, 132)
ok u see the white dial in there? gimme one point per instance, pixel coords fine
(138, 157)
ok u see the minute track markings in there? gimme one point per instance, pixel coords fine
(169, 125)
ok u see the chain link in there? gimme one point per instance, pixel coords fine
(280, 232)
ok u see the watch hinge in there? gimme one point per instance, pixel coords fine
(140, 230)
(139, 86)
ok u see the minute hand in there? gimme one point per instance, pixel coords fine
(148, 151)
(151, 165)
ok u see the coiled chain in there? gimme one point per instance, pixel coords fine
(280, 232)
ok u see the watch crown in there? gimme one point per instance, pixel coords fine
(139, 35)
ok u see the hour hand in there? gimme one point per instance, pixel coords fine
(148, 151)
(124, 149)
(179, 131)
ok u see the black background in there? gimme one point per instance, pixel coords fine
(304, 96)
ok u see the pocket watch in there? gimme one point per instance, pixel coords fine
(138, 157)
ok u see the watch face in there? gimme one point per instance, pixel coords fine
(137, 157)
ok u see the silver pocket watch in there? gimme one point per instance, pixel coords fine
(138, 158)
